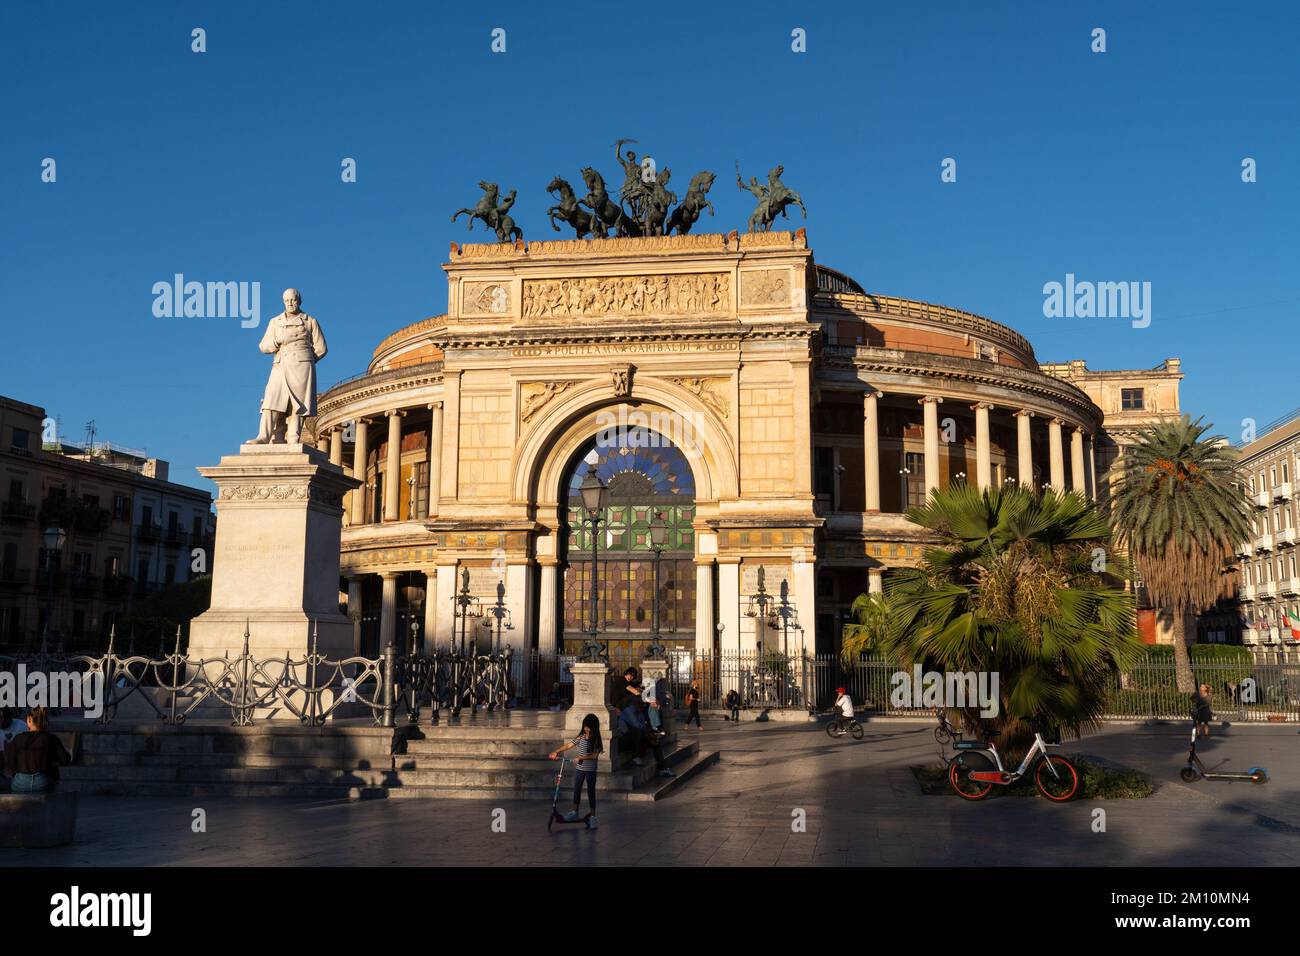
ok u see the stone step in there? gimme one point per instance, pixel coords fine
(660, 787)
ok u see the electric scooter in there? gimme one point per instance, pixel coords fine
(556, 815)
(1195, 770)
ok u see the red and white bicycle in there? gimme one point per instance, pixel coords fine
(976, 768)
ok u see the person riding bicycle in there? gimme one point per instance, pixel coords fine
(843, 708)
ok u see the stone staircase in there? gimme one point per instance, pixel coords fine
(480, 757)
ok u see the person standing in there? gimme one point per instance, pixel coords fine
(1201, 710)
(693, 702)
(589, 745)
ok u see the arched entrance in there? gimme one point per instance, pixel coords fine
(654, 478)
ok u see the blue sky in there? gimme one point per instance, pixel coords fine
(225, 166)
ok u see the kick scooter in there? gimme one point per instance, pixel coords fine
(556, 815)
(1195, 770)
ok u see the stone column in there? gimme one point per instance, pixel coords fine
(729, 618)
(444, 612)
(323, 442)
(393, 468)
(871, 448)
(983, 452)
(336, 447)
(355, 610)
(1076, 461)
(359, 472)
(704, 631)
(435, 457)
(547, 622)
(1024, 449)
(430, 608)
(930, 404)
(1092, 465)
(875, 580)
(1057, 454)
(388, 611)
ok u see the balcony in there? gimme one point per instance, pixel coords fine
(1246, 593)
(148, 532)
(1266, 591)
(44, 575)
(1249, 636)
(1282, 492)
(1244, 550)
(1261, 500)
(1286, 537)
(176, 537)
(1271, 635)
(1264, 542)
(1289, 585)
(116, 583)
(18, 510)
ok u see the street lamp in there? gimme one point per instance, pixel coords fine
(658, 540)
(54, 539)
(595, 496)
(467, 606)
(499, 613)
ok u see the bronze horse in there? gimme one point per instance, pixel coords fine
(493, 215)
(568, 209)
(606, 214)
(693, 203)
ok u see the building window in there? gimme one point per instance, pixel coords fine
(21, 441)
(913, 479)
(121, 508)
(1132, 399)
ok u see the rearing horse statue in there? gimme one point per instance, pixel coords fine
(693, 203)
(492, 213)
(568, 209)
(606, 214)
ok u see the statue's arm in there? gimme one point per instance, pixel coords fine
(267, 344)
(318, 345)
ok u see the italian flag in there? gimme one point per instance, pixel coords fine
(1294, 622)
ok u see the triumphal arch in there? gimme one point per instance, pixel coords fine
(764, 410)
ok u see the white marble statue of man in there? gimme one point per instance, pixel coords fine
(295, 339)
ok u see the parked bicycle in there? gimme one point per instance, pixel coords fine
(976, 768)
(945, 733)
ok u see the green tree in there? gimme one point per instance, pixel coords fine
(866, 634)
(1023, 585)
(1178, 507)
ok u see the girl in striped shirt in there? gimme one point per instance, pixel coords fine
(589, 747)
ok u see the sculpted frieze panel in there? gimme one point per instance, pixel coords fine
(598, 296)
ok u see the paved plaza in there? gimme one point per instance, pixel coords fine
(862, 808)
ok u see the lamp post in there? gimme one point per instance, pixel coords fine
(54, 539)
(658, 540)
(595, 496)
(467, 606)
(760, 608)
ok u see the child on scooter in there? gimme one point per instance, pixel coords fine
(590, 747)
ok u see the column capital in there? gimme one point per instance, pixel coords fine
(1023, 413)
(1079, 429)
(391, 575)
(928, 399)
(871, 395)
(396, 412)
(430, 572)
(1057, 421)
(363, 420)
(978, 405)
(434, 406)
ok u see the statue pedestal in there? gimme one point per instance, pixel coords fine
(276, 560)
(591, 696)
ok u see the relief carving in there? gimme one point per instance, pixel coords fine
(709, 391)
(765, 287)
(597, 296)
(486, 298)
(536, 395)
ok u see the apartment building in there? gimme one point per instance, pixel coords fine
(126, 531)
(1269, 579)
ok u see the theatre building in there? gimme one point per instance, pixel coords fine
(766, 411)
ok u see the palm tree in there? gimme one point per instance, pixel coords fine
(870, 616)
(1177, 506)
(1021, 585)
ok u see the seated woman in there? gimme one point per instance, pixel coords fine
(33, 759)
